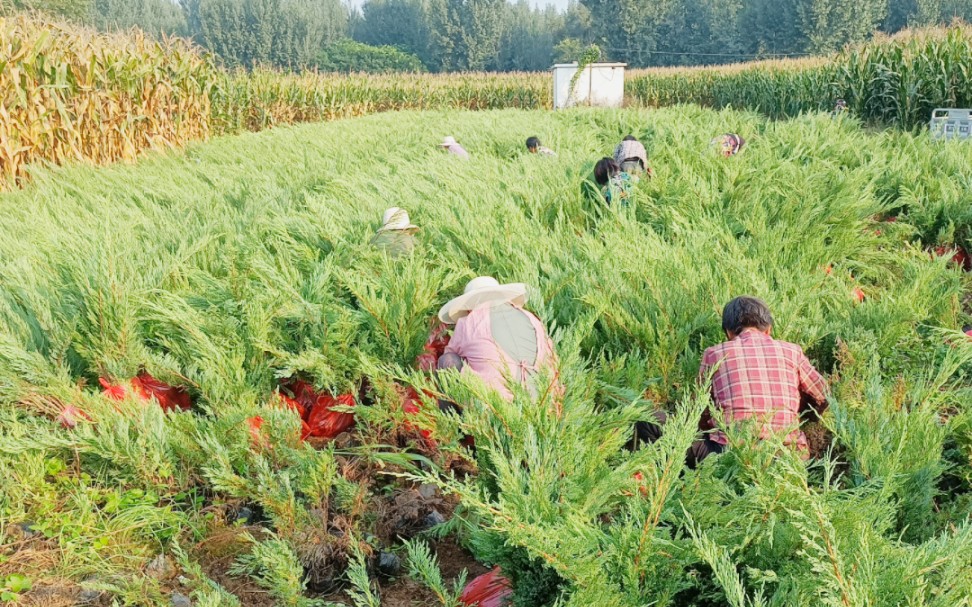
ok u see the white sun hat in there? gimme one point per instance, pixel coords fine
(448, 142)
(396, 219)
(479, 291)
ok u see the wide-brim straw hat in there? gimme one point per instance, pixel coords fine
(479, 291)
(448, 141)
(396, 219)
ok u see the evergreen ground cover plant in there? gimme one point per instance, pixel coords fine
(245, 261)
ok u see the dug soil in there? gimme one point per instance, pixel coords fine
(403, 592)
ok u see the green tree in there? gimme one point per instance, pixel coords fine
(829, 25)
(529, 37)
(402, 24)
(700, 31)
(350, 56)
(152, 16)
(771, 27)
(285, 33)
(69, 9)
(628, 30)
(465, 34)
(956, 9)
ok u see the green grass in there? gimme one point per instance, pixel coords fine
(239, 262)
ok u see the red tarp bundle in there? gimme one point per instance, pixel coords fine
(316, 410)
(488, 590)
(145, 387)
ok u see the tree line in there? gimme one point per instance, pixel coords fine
(496, 35)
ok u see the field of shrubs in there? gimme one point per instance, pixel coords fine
(209, 392)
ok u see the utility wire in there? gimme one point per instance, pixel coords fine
(685, 54)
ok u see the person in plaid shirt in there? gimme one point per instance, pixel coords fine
(754, 377)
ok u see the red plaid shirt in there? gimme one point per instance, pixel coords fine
(759, 378)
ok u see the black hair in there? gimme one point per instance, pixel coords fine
(967, 328)
(630, 138)
(449, 360)
(746, 313)
(533, 143)
(605, 169)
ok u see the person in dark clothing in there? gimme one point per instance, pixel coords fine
(535, 147)
(615, 184)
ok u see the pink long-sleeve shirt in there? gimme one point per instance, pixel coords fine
(473, 341)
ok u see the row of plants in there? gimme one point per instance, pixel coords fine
(243, 265)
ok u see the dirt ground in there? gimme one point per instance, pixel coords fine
(403, 592)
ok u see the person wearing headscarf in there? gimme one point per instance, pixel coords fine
(631, 156)
(495, 338)
(396, 236)
(729, 144)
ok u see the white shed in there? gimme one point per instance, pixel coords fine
(600, 84)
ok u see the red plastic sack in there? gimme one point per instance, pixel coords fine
(301, 411)
(254, 424)
(145, 387)
(488, 590)
(293, 405)
(958, 255)
(315, 410)
(434, 347)
(410, 405)
(324, 422)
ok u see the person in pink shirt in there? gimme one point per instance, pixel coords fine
(452, 146)
(495, 338)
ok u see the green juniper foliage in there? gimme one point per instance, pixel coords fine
(244, 261)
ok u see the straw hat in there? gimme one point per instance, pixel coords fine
(479, 291)
(448, 141)
(396, 219)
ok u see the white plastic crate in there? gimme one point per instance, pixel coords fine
(951, 123)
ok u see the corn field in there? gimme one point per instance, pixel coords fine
(69, 95)
(890, 82)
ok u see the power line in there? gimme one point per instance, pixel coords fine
(686, 54)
